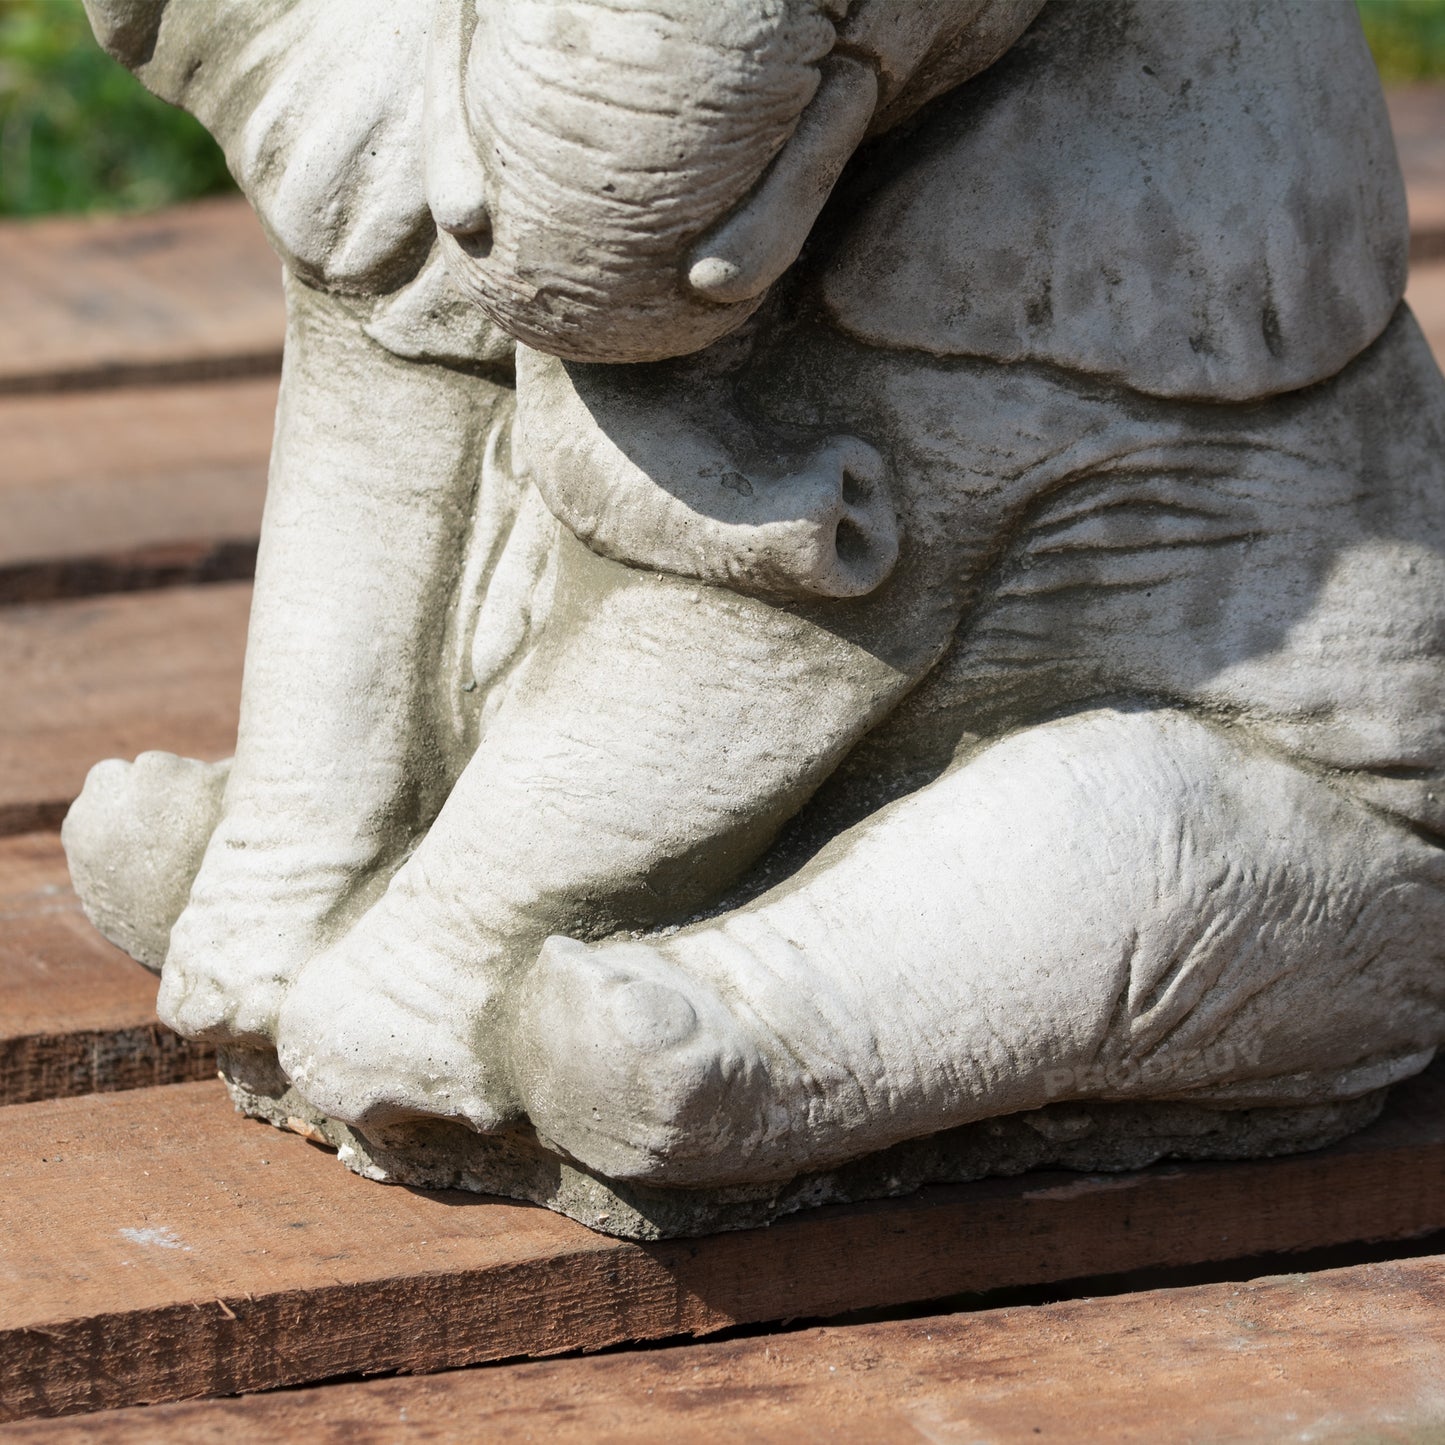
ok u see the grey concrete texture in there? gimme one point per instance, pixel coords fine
(513, 1163)
(835, 575)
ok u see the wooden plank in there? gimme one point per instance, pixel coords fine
(154, 1246)
(112, 677)
(1417, 116)
(1353, 1353)
(76, 1015)
(114, 490)
(183, 293)
(1426, 295)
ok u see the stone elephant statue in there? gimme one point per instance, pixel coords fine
(944, 618)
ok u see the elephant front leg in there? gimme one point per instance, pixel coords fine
(648, 753)
(339, 762)
(1117, 905)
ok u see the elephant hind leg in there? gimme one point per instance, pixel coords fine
(1116, 905)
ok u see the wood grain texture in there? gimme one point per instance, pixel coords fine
(76, 1015)
(154, 1246)
(112, 677)
(1344, 1354)
(114, 490)
(188, 292)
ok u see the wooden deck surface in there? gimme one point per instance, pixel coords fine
(1348, 1355)
(136, 487)
(154, 1246)
(112, 676)
(78, 1015)
(1417, 114)
(187, 1251)
(179, 295)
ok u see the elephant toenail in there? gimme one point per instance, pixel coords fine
(650, 1016)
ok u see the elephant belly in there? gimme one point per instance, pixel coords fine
(1279, 566)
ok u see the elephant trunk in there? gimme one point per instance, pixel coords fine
(612, 138)
(629, 466)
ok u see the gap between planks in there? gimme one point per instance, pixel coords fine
(111, 677)
(1354, 1353)
(192, 290)
(76, 1015)
(156, 1246)
(113, 491)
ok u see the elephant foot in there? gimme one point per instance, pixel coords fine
(389, 1024)
(1113, 907)
(652, 1061)
(645, 1067)
(277, 885)
(134, 840)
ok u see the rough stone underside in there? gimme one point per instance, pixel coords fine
(1098, 1137)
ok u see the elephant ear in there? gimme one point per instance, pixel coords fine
(1196, 200)
(921, 50)
(318, 107)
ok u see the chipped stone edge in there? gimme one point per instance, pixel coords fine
(1094, 1138)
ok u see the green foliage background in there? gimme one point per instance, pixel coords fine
(77, 133)
(1408, 38)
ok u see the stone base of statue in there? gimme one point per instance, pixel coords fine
(1099, 1137)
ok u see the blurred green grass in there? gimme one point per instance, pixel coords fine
(77, 133)
(1407, 37)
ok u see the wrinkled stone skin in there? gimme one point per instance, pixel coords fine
(867, 665)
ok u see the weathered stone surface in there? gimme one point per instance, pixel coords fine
(982, 659)
(1101, 1138)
